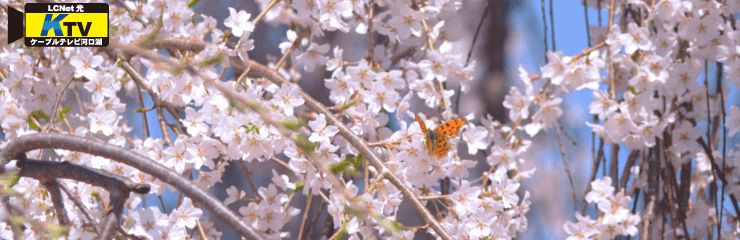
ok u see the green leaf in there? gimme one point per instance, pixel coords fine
(32, 124)
(257, 107)
(193, 2)
(348, 105)
(65, 110)
(17, 220)
(391, 225)
(149, 39)
(299, 186)
(212, 60)
(152, 37)
(175, 70)
(293, 124)
(305, 145)
(342, 231)
(40, 114)
(54, 231)
(339, 167)
(113, 29)
(60, 113)
(357, 160)
(348, 166)
(252, 128)
(8, 180)
(349, 210)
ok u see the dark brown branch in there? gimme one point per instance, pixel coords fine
(631, 159)
(56, 198)
(76, 200)
(111, 222)
(718, 172)
(48, 172)
(18, 147)
(614, 169)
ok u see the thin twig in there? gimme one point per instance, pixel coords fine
(724, 141)
(708, 98)
(631, 159)
(612, 84)
(552, 24)
(163, 125)
(567, 169)
(56, 104)
(136, 16)
(144, 119)
(305, 215)
(544, 26)
(264, 11)
(572, 141)
(199, 229)
(246, 171)
(161, 202)
(316, 218)
(370, 31)
(81, 206)
(79, 101)
(281, 163)
(296, 44)
(477, 30)
(588, 29)
(139, 80)
(647, 218)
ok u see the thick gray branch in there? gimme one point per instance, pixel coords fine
(17, 147)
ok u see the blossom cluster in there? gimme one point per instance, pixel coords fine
(617, 219)
(202, 131)
(652, 92)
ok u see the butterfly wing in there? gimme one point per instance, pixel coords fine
(441, 148)
(428, 135)
(451, 128)
(422, 125)
(444, 132)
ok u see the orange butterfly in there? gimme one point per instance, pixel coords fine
(437, 139)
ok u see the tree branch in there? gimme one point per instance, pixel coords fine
(276, 78)
(18, 147)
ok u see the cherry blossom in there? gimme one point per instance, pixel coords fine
(239, 22)
(287, 98)
(103, 121)
(85, 63)
(635, 38)
(322, 132)
(549, 112)
(313, 56)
